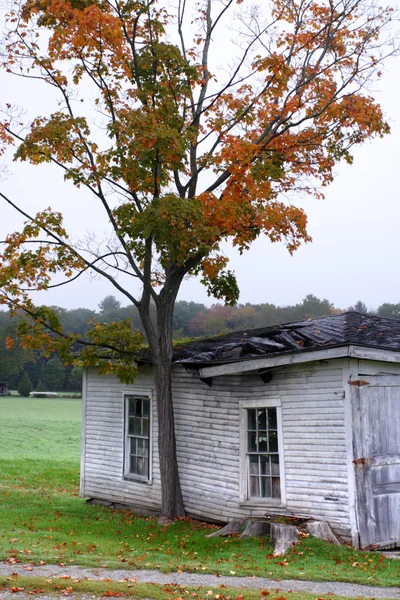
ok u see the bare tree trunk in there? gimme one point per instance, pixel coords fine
(171, 496)
(160, 341)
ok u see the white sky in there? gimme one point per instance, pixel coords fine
(355, 250)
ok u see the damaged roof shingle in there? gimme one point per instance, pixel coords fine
(324, 332)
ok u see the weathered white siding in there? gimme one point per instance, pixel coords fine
(207, 431)
(103, 442)
(314, 441)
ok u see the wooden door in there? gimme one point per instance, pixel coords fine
(376, 412)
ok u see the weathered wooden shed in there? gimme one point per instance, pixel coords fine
(298, 419)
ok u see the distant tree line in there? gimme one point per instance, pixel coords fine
(191, 319)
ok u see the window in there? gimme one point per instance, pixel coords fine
(137, 454)
(261, 452)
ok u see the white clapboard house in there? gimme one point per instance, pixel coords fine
(300, 419)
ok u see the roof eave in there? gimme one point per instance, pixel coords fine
(273, 361)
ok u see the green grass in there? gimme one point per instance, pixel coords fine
(43, 519)
(126, 588)
(39, 428)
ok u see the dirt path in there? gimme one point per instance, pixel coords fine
(193, 579)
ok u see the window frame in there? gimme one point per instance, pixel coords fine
(127, 474)
(245, 498)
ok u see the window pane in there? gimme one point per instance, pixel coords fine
(265, 465)
(131, 406)
(266, 487)
(145, 448)
(133, 465)
(137, 427)
(273, 441)
(145, 427)
(133, 446)
(146, 407)
(254, 487)
(251, 419)
(138, 407)
(262, 418)
(131, 424)
(262, 441)
(140, 466)
(252, 444)
(276, 487)
(275, 464)
(253, 465)
(272, 422)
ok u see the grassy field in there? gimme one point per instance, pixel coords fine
(43, 519)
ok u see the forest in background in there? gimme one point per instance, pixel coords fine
(191, 319)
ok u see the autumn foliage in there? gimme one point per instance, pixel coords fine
(186, 154)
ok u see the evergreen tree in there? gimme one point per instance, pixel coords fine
(40, 387)
(25, 385)
(54, 373)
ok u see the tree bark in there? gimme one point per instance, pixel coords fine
(159, 335)
(234, 526)
(256, 528)
(283, 537)
(171, 496)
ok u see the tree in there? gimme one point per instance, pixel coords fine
(53, 374)
(76, 378)
(312, 307)
(12, 357)
(25, 386)
(183, 312)
(389, 310)
(360, 307)
(109, 303)
(188, 155)
(40, 387)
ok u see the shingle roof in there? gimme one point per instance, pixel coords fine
(324, 332)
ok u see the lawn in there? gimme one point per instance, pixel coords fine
(129, 587)
(43, 519)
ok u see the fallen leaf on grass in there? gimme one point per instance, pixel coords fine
(65, 576)
(17, 589)
(67, 591)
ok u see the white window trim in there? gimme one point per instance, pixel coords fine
(245, 405)
(137, 393)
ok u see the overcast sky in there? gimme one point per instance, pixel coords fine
(355, 250)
